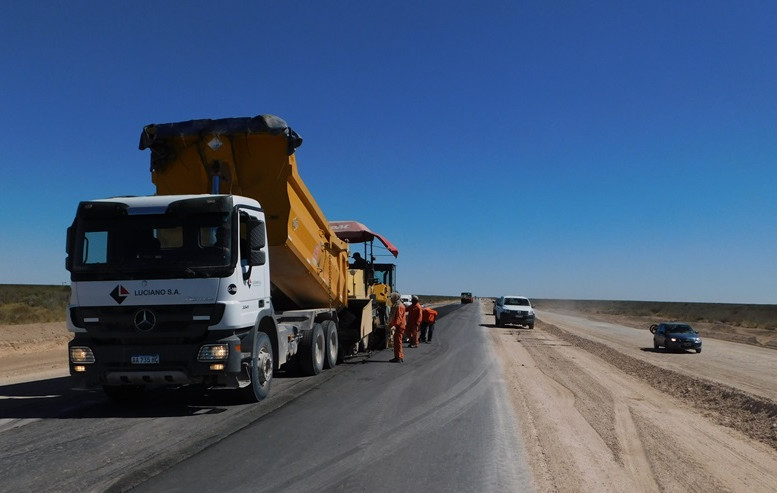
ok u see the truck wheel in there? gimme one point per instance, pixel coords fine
(531, 326)
(332, 343)
(260, 370)
(123, 393)
(312, 349)
(497, 321)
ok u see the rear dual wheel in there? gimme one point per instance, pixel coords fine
(312, 350)
(332, 350)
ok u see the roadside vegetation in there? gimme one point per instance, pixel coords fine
(742, 315)
(27, 303)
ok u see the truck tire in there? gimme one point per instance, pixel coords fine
(332, 344)
(123, 393)
(312, 351)
(260, 370)
(496, 320)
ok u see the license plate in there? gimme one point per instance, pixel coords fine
(145, 359)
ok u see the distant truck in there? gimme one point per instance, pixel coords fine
(466, 297)
(228, 273)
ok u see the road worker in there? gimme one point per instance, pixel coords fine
(397, 327)
(358, 261)
(414, 312)
(428, 317)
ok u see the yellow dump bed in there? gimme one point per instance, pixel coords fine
(254, 157)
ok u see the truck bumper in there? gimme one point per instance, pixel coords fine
(518, 318)
(154, 364)
(683, 345)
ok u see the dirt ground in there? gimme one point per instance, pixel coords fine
(597, 420)
(33, 351)
(593, 419)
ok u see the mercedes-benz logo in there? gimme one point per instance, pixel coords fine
(145, 319)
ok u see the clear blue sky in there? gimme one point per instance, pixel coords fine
(556, 149)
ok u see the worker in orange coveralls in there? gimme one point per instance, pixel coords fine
(427, 324)
(414, 313)
(397, 324)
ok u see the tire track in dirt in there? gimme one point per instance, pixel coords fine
(754, 416)
(595, 420)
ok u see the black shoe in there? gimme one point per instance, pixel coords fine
(396, 360)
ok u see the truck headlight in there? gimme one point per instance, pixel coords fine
(213, 352)
(81, 355)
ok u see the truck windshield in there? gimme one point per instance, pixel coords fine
(152, 246)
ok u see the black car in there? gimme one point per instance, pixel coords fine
(675, 336)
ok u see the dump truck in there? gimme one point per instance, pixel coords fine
(228, 273)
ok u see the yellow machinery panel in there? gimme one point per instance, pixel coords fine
(356, 284)
(254, 157)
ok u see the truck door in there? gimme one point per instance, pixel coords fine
(253, 260)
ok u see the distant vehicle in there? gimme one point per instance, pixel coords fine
(466, 297)
(675, 336)
(406, 299)
(514, 310)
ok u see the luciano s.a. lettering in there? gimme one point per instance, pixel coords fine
(156, 292)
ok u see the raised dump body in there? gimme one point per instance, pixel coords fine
(254, 157)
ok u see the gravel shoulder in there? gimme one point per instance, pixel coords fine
(595, 419)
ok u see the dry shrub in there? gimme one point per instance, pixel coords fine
(22, 304)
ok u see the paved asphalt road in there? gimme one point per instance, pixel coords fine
(438, 422)
(441, 421)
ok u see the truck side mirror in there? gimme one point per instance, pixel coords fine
(257, 239)
(256, 257)
(68, 249)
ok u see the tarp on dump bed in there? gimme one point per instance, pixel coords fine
(356, 232)
(156, 136)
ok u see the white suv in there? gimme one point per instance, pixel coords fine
(405, 299)
(514, 310)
